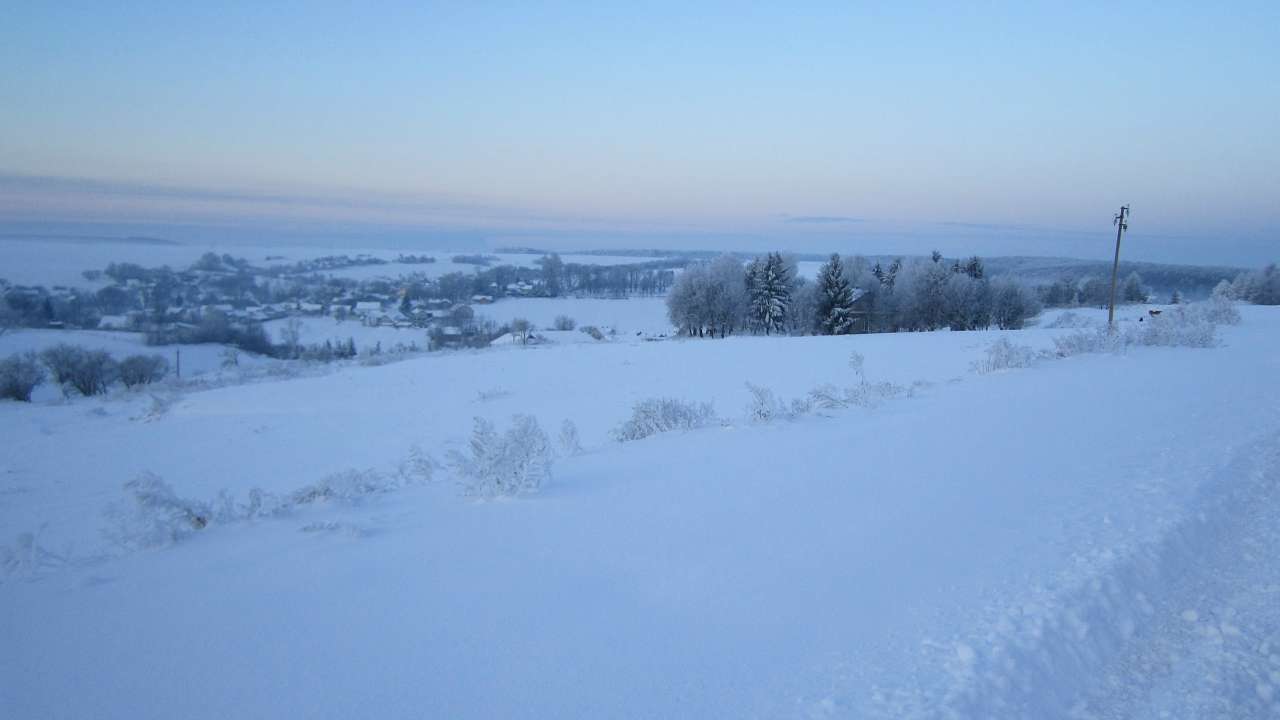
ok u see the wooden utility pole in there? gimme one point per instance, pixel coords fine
(1122, 223)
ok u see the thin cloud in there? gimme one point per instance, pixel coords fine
(821, 219)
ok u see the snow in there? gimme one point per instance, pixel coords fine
(646, 316)
(1089, 537)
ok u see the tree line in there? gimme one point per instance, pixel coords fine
(849, 295)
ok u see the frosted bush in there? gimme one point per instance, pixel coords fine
(345, 486)
(156, 516)
(570, 444)
(1219, 310)
(827, 397)
(869, 395)
(1087, 341)
(506, 464)
(419, 467)
(1070, 321)
(1180, 327)
(1004, 355)
(659, 415)
(764, 407)
(857, 364)
(1184, 326)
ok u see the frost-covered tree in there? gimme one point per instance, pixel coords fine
(1175, 298)
(1133, 290)
(967, 302)
(768, 283)
(834, 315)
(725, 295)
(1013, 305)
(709, 298)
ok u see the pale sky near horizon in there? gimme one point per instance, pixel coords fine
(1012, 128)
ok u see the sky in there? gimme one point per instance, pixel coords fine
(995, 128)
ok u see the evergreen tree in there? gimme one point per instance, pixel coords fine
(769, 287)
(1133, 291)
(835, 299)
(974, 269)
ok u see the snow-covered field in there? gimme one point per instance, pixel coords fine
(1089, 537)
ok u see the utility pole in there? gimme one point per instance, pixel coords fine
(177, 355)
(1122, 223)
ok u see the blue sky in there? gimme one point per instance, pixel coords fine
(994, 128)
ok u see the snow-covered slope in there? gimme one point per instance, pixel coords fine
(1085, 538)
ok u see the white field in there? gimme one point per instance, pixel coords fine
(1090, 537)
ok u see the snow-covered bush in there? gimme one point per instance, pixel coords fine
(872, 394)
(1004, 355)
(1183, 326)
(20, 374)
(1097, 340)
(156, 516)
(419, 467)
(344, 486)
(857, 363)
(1178, 327)
(659, 415)
(827, 397)
(764, 407)
(564, 322)
(1220, 310)
(593, 331)
(1070, 321)
(514, 462)
(570, 444)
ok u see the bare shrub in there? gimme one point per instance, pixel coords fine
(61, 359)
(20, 374)
(137, 370)
(564, 322)
(659, 415)
(506, 464)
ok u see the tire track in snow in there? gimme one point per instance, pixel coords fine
(1187, 627)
